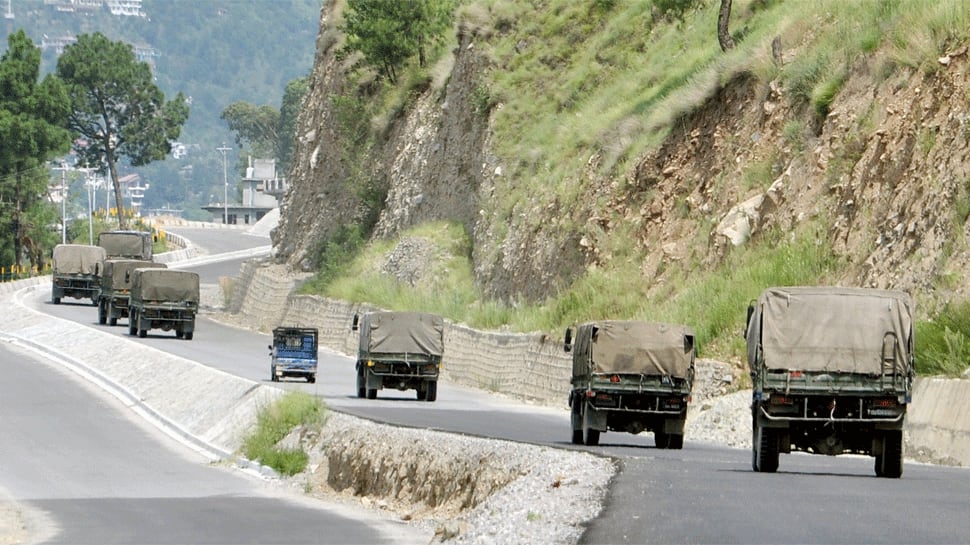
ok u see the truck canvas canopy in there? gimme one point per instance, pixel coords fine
(78, 259)
(402, 333)
(117, 272)
(164, 285)
(127, 244)
(630, 347)
(830, 329)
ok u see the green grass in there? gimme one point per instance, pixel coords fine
(577, 92)
(943, 343)
(276, 422)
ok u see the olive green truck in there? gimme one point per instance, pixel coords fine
(126, 244)
(115, 287)
(400, 350)
(831, 372)
(76, 272)
(630, 376)
(165, 299)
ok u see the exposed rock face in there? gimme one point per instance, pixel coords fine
(879, 177)
(430, 160)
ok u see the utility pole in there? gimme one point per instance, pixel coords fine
(225, 182)
(63, 168)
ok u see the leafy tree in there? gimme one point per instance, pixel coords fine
(268, 131)
(117, 108)
(32, 115)
(256, 125)
(389, 32)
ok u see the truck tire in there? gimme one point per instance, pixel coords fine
(272, 374)
(56, 300)
(422, 393)
(432, 391)
(675, 441)
(189, 335)
(132, 318)
(576, 420)
(102, 313)
(889, 463)
(765, 450)
(661, 439)
(591, 437)
(361, 391)
(142, 333)
(311, 378)
(372, 393)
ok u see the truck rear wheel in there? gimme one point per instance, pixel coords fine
(675, 441)
(889, 463)
(102, 314)
(576, 420)
(765, 450)
(372, 393)
(432, 391)
(660, 439)
(311, 378)
(132, 318)
(361, 391)
(591, 437)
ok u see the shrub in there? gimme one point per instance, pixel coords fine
(276, 422)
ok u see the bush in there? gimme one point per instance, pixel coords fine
(276, 422)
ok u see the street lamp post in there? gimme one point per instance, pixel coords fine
(225, 183)
(63, 168)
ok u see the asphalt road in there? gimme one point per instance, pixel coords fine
(701, 494)
(90, 472)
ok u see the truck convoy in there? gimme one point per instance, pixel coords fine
(126, 244)
(294, 353)
(76, 272)
(630, 376)
(165, 299)
(401, 350)
(831, 372)
(115, 287)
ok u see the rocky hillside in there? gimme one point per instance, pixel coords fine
(879, 177)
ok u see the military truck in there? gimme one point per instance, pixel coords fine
(165, 299)
(831, 373)
(115, 286)
(630, 376)
(76, 272)
(126, 244)
(399, 350)
(293, 353)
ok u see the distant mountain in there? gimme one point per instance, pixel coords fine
(215, 51)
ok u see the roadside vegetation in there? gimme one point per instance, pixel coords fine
(608, 80)
(293, 410)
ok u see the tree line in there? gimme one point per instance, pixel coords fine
(100, 102)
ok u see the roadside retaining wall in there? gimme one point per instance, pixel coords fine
(525, 366)
(533, 367)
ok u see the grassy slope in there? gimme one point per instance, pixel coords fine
(576, 79)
